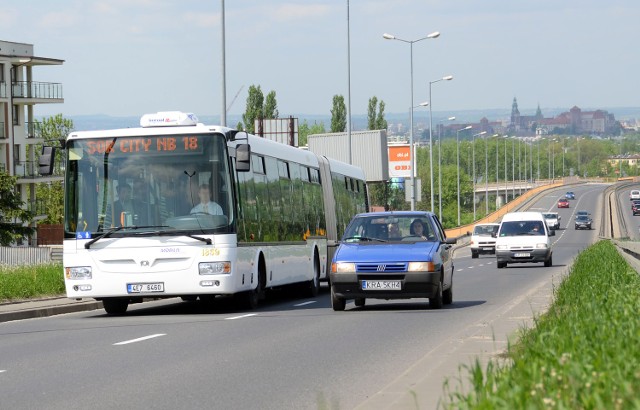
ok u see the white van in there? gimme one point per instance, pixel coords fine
(523, 237)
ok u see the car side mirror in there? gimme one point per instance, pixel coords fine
(552, 232)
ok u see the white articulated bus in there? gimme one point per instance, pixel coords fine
(178, 208)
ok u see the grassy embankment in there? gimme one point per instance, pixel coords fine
(584, 353)
(26, 282)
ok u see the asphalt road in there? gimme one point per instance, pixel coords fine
(290, 353)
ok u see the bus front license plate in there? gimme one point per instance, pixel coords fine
(145, 287)
(381, 285)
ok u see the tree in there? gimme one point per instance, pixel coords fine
(375, 120)
(338, 114)
(270, 106)
(304, 130)
(12, 215)
(258, 108)
(255, 100)
(381, 123)
(371, 113)
(51, 195)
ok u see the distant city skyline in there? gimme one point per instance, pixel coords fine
(125, 58)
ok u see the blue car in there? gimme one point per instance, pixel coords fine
(570, 195)
(393, 255)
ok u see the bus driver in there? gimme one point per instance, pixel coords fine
(206, 205)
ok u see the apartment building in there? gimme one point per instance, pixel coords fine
(20, 134)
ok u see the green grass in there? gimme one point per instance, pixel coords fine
(584, 353)
(28, 282)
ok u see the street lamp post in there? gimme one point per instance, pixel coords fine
(486, 175)
(468, 127)
(387, 36)
(439, 162)
(513, 168)
(506, 190)
(473, 161)
(445, 78)
(497, 168)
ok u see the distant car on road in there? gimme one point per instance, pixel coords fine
(635, 207)
(582, 212)
(583, 222)
(563, 203)
(393, 255)
(634, 194)
(570, 195)
(553, 219)
(483, 239)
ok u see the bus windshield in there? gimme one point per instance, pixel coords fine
(156, 184)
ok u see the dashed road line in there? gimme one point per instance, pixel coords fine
(305, 303)
(241, 316)
(140, 339)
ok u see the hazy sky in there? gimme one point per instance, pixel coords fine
(128, 57)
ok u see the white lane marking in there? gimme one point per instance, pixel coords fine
(305, 303)
(460, 270)
(2, 371)
(140, 339)
(241, 317)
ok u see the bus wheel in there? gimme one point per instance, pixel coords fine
(249, 300)
(313, 286)
(115, 306)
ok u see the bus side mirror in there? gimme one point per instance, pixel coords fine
(243, 157)
(46, 161)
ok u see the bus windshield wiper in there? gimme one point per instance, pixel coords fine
(174, 233)
(104, 235)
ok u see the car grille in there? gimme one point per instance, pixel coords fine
(381, 267)
(521, 248)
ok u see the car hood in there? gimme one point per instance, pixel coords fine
(408, 251)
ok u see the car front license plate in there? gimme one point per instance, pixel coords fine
(145, 287)
(522, 255)
(381, 285)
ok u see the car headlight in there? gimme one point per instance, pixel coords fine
(78, 272)
(214, 268)
(421, 267)
(541, 246)
(502, 247)
(343, 267)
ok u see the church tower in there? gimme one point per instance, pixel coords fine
(515, 116)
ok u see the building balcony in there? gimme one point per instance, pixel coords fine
(27, 172)
(3, 89)
(3, 134)
(36, 90)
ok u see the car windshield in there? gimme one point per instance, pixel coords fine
(517, 228)
(376, 228)
(485, 230)
(550, 216)
(582, 218)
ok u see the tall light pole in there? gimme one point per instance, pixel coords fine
(468, 127)
(387, 36)
(439, 162)
(350, 155)
(473, 160)
(506, 190)
(486, 175)
(445, 78)
(223, 109)
(497, 168)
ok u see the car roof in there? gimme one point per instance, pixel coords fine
(394, 213)
(487, 224)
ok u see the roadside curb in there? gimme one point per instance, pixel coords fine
(44, 308)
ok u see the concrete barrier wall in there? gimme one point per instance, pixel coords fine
(496, 216)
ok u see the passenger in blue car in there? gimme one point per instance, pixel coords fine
(393, 231)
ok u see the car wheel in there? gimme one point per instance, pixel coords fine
(548, 262)
(474, 254)
(338, 304)
(502, 264)
(359, 302)
(447, 295)
(115, 306)
(436, 301)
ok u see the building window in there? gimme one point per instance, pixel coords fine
(16, 115)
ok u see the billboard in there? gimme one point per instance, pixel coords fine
(400, 161)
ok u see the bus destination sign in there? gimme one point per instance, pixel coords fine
(142, 145)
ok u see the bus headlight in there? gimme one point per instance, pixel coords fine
(78, 272)
(214, 268)
(342, 267)
(421, 267)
